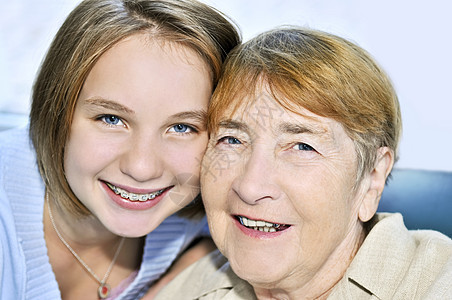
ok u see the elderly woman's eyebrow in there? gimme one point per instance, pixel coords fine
(296, 128)
(109, 104)
(232, 124)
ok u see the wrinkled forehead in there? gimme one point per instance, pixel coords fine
(257, 104)
(264, 111)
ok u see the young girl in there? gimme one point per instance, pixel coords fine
(117, 130)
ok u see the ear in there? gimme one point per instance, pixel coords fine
(382, 168)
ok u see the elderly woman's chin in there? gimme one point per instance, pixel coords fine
(265, 276)
(282, 264)
(278, 260)
(262, 267)
(261, 260)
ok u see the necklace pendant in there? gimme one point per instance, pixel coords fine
(103, 291)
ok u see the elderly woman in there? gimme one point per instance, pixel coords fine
(304, 130)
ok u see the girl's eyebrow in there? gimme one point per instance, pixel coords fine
(198, 115)
(108, 104)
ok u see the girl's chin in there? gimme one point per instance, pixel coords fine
(135, 226)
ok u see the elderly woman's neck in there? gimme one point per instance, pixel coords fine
(319, 285)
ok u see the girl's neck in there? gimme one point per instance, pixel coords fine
(95, 245)
(85, 231)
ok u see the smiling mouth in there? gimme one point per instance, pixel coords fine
(261, 225)
(134, 196)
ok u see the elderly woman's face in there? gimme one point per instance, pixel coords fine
(279, 193)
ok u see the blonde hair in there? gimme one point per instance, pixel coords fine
(92, 28)
(323, 73)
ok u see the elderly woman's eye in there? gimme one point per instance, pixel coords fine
(303, 147)
(229, 140)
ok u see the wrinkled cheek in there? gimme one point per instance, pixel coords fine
(209, 168)
(218, 228)
(218, 167)
(215, 192)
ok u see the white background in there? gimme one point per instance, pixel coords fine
(412, 40)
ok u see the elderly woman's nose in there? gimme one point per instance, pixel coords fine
(256, 180)
(142, 160)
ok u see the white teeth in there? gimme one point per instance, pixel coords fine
(133, 196)
(259, 225)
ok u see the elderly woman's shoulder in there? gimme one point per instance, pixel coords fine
(431, 265)
(432, 240)
(397, 263)
(433, 248)
(426, 247)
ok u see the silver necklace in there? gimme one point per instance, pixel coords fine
(104, 289)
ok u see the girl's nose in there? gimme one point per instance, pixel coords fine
(142, 160)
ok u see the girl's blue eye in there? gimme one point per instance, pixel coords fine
(181, 128)
(303, 147)
(111, 120)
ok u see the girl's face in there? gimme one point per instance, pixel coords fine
(138, 134)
